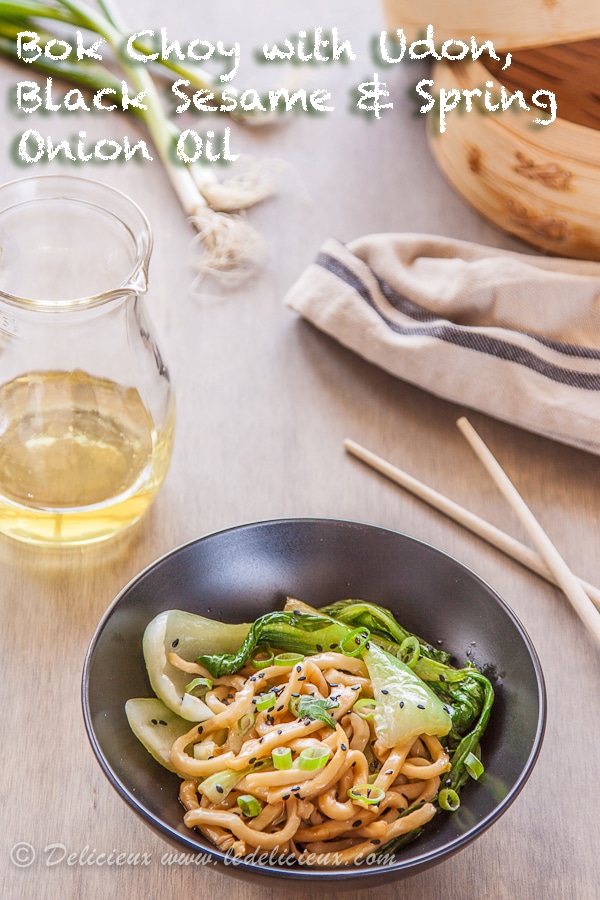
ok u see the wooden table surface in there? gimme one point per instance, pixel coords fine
(264, 402)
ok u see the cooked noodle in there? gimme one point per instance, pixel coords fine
(306, 813)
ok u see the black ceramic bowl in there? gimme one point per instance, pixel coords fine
(239, 574)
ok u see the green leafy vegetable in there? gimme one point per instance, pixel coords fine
(314, 708)
(380, 622)
(406, 706)
(187, 635)
(289, 631)
(157, 727)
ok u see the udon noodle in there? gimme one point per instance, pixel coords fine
(361, 796)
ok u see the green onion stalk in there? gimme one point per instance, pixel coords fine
(227, 246)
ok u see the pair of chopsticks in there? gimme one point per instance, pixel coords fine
(547, 562)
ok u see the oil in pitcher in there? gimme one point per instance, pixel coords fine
(87, 418)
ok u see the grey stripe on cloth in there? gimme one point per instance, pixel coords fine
(462, 337)
(513, 335)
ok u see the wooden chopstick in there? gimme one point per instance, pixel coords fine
(494, 536)
(568, 582)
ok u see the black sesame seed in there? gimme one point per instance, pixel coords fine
(343, 747)
(295, 695)
(445, 708)
(357, 823)
(420, 706)
(367, 646)
(260, 740)
(219, 788)
(302, 678)
(357, 687)
(375, 841)
(280, 731)
(298, 668)
(333, 684)
(297, 612)
(389, 772)
(211, 757)
(200, 729)
(296, 788)
(448, 782)
(253, 760)
(161, 722)
(319, 648)
(154, 721)
(384, 691)
(286, 796)
(401, 704)
(442, 678)
(332, 646)
(175, 642)
(279, 708)
(261, 675)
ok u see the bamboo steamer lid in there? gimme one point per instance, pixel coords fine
(510, 25)
(540, 183)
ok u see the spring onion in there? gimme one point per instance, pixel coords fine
(410, 651)
(474, 766)
(354, 643)
(200, 685)
(288, 659)
(249, 805)
(366, 793)
(365, 707)
(265, 702)
(231, 247)
(246, 722)
(282, 757)
(313, 758)
(261, 658)
(448, 800)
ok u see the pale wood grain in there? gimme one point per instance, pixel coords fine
(264, 402)
(563, 575)
(494, 536)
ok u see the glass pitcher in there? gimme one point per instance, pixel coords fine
(86, 406)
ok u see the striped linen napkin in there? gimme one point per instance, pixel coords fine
(509, 334)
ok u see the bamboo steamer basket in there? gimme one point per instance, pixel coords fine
(539, 183)
(510, 25)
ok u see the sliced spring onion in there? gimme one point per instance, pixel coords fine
(474, 766)
(246, 722)
(249, 805)
(365, 707)
(448, 800)
(355, 642)
(266, 701)
(262, 658)
(204, 683)
(313, 758)
(367, 793)
(282, 757)
(288, 659)
(410, 651)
